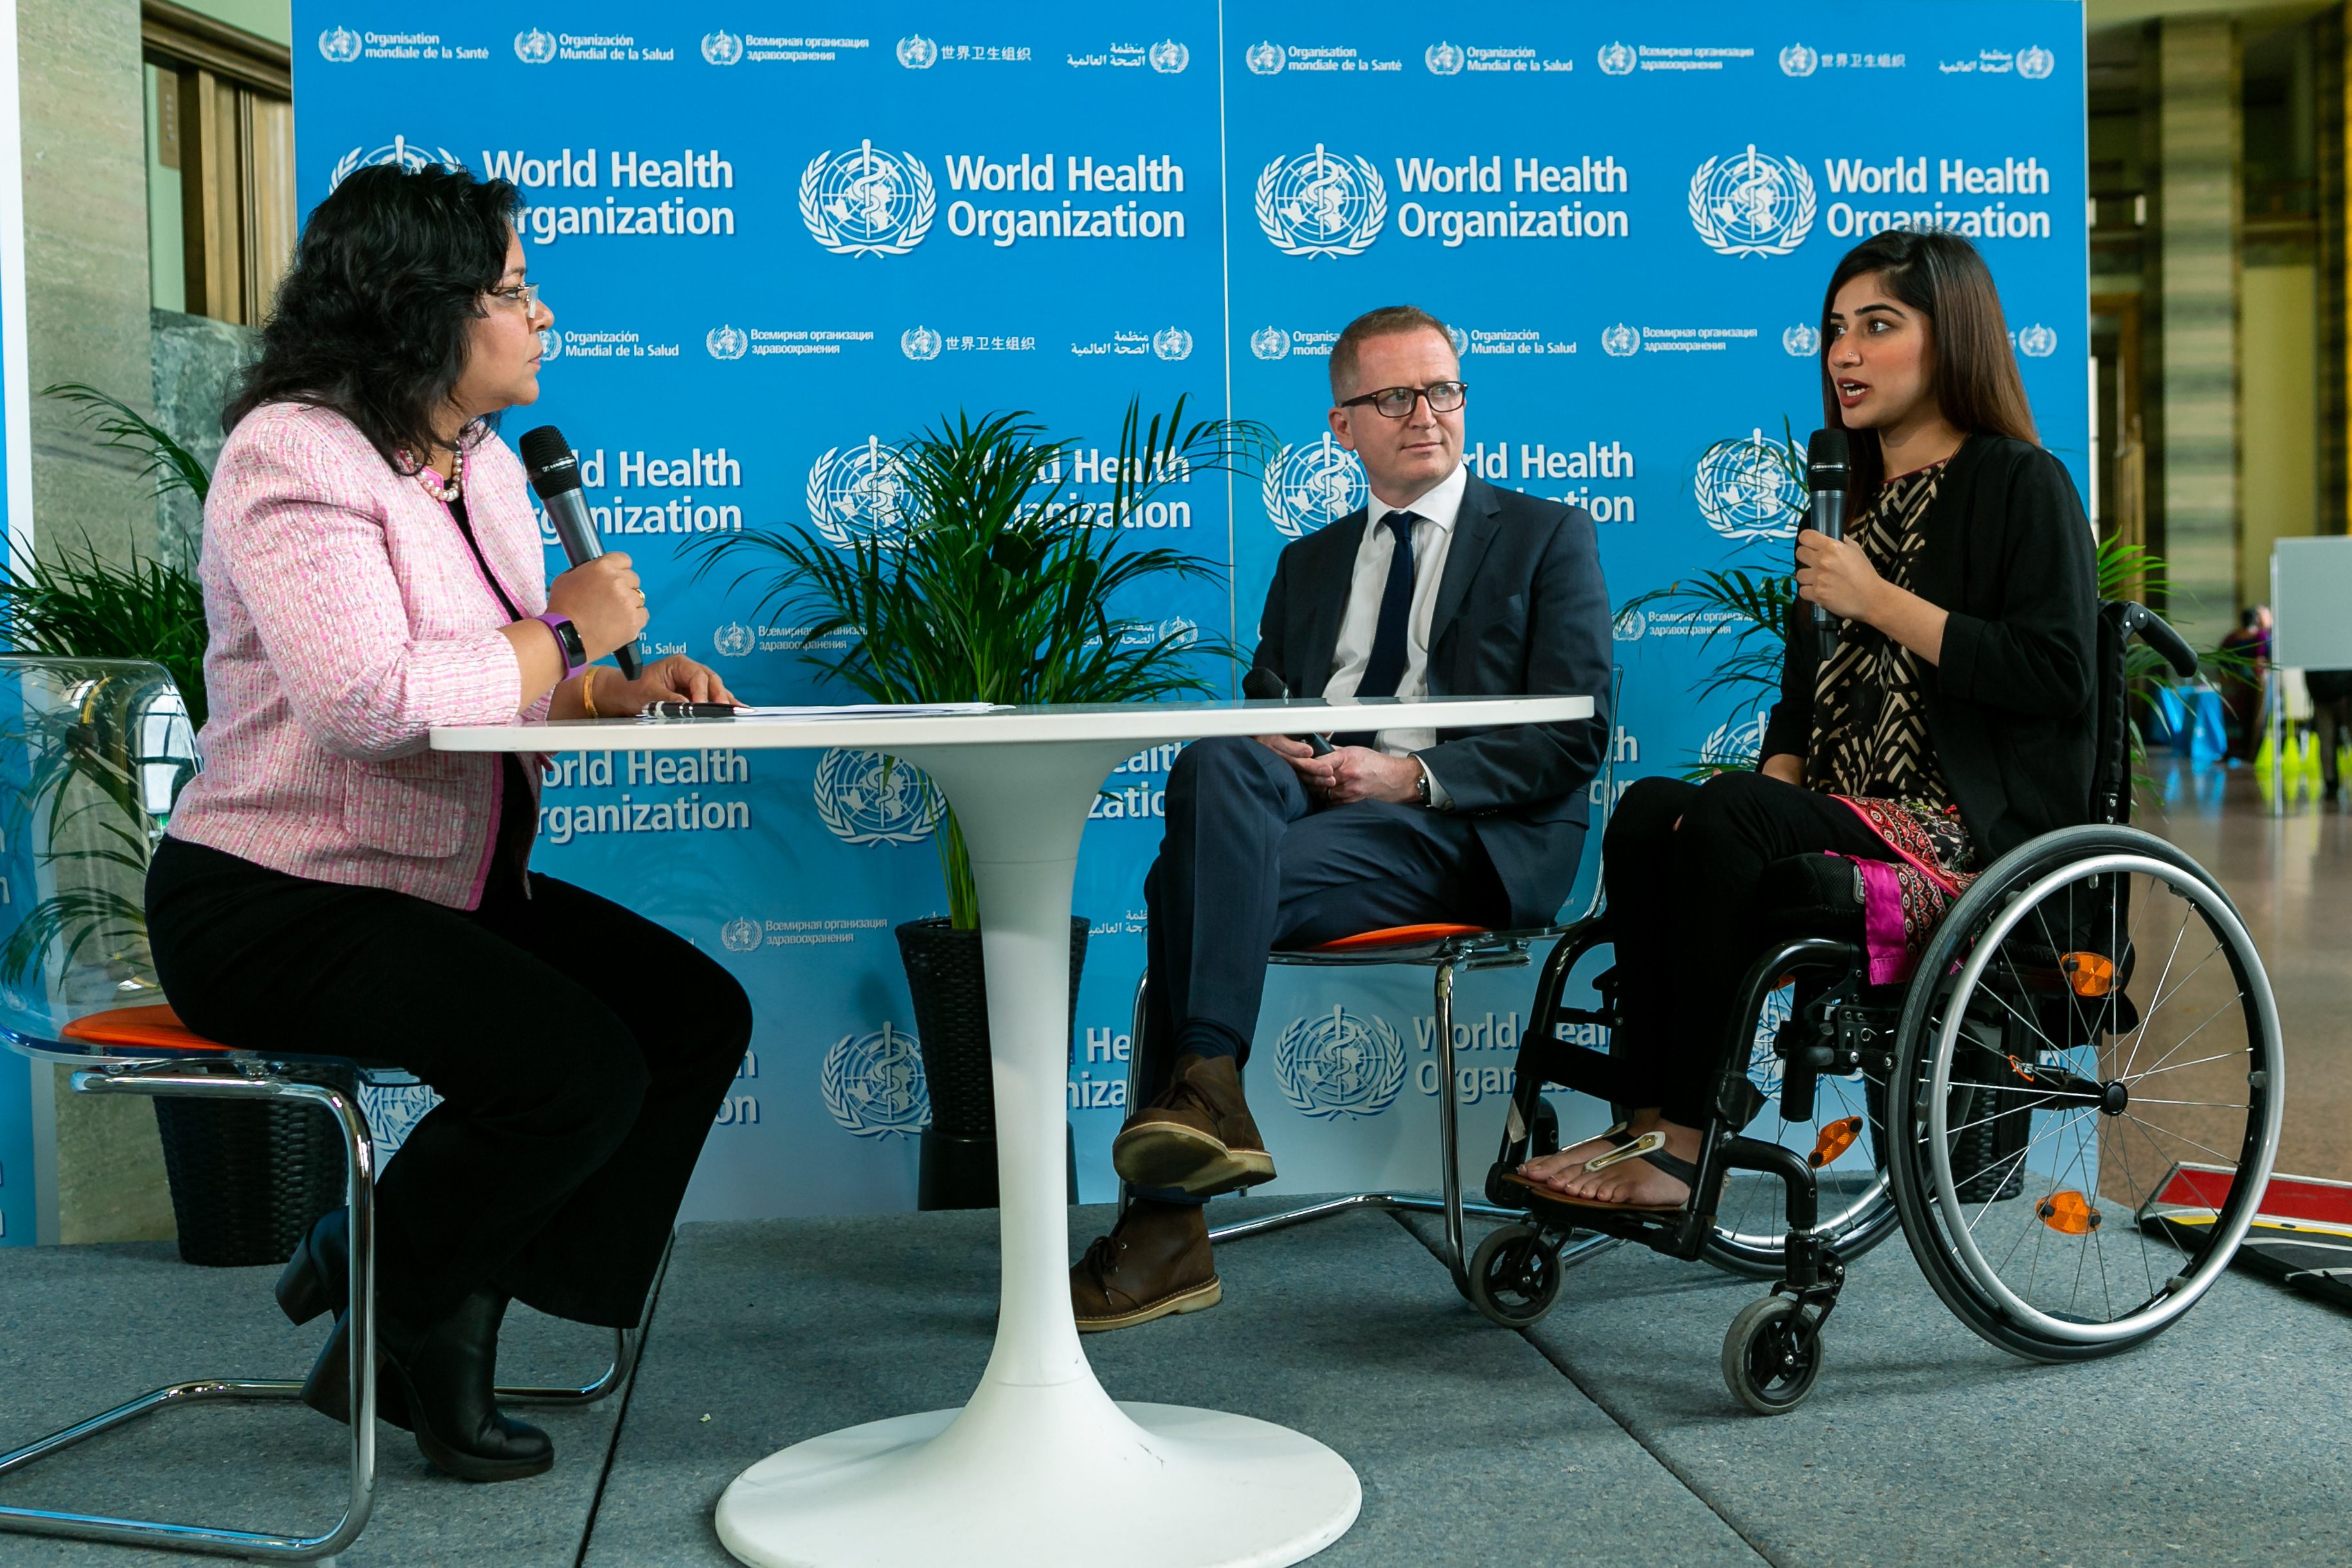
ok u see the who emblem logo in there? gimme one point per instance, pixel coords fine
(400, 150)
(1178, 632)
(1442, 60)
(1752, 203)
(1629, 626)
(1735, 742)
(550, 343)
(1169, 58)
(340, 45)
(865, 797)
(1172, 343)
(865, 203)
(1309, 485)
(1318, 205)
(726, 342)
(1460, 339)
(918, 53)
(873, 1085)
(2035, 63)
(1265, 59)
(2037, 341)
(1621, 341)
(858, 497)
(734, 640)
(1748, 488)
(739, 936)
(722, 48)
(1337, 1064)
(1801, 340)
(920, 343)
(1618, 59)
(535, 47)
(1799, 60)
(1269, 342)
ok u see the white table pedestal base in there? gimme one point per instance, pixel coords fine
(1060, 1474)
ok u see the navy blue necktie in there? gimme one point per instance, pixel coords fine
(1386, 667)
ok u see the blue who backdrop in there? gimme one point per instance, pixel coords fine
(777, 239)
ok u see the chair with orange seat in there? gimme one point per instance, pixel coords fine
(1447, 949)
(92, 752)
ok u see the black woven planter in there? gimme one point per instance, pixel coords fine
(950, 995)
(249, 1178)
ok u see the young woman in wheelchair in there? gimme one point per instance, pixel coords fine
(1952, 722)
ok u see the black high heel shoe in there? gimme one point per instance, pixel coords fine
(440, 1383)
(317, 1277)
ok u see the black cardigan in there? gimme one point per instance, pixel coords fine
(2010, 707)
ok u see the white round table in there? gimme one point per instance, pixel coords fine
(1039, 1466)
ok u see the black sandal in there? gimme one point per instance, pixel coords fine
(1649, 1146)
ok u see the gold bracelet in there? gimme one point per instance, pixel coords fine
(588, 691)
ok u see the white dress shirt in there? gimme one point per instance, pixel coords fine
(1432, 537)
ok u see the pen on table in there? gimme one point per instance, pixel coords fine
(688, 710)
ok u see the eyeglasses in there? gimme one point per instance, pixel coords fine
(523, 294)
(1396, 402)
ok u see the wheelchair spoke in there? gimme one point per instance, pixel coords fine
(2177, 937)
(2178, 1066)
(2185, 1038)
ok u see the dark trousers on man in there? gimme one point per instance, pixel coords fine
(1682, 864)
(1250, 864)
(581, 1052)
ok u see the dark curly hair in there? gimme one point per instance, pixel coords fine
(373, 321)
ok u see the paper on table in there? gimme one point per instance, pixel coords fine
(873, 710)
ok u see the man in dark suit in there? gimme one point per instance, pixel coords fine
(1443, 585)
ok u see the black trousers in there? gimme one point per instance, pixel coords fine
(581, 1052)
(1249, 864)
(1681, 906)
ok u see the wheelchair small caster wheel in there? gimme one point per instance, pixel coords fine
(1770, 1356)
(1513, 1277)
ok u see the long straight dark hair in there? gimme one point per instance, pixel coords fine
(1972, 373)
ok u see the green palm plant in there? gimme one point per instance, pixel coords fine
(990, 576)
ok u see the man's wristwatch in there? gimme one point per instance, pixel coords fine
(576, 652)
(1421, 782)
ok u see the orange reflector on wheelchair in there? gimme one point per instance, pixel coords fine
(2069, 1213)
(2090, 974)
(1835, 1139)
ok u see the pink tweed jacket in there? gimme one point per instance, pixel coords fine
(348, 619)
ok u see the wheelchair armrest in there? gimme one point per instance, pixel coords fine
(2140, 621)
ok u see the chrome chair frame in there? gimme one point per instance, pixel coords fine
(233, 1075)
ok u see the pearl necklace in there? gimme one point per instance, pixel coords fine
(440, 489)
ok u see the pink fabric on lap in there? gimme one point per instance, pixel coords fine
(1882, 921)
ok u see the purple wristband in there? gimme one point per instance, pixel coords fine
(567, 639)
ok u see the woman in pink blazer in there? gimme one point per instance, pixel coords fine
(372, 568)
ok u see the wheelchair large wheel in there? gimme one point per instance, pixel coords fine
(1857, 1205)
(2091, 1019)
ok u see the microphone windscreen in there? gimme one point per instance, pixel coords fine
(1828, 460)
(1264, 684)
(548, 459)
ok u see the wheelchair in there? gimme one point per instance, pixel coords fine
(2070, 1111)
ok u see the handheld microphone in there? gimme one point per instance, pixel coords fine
(554, 471)
(1267, 686)
(1829, 474)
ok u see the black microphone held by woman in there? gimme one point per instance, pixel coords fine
(554, 471)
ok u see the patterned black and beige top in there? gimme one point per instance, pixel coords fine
(1870, 741)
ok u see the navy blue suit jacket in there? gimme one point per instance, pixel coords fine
(1522, 611)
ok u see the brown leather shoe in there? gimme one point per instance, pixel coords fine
(1155, 1261)
(1196, 1135)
